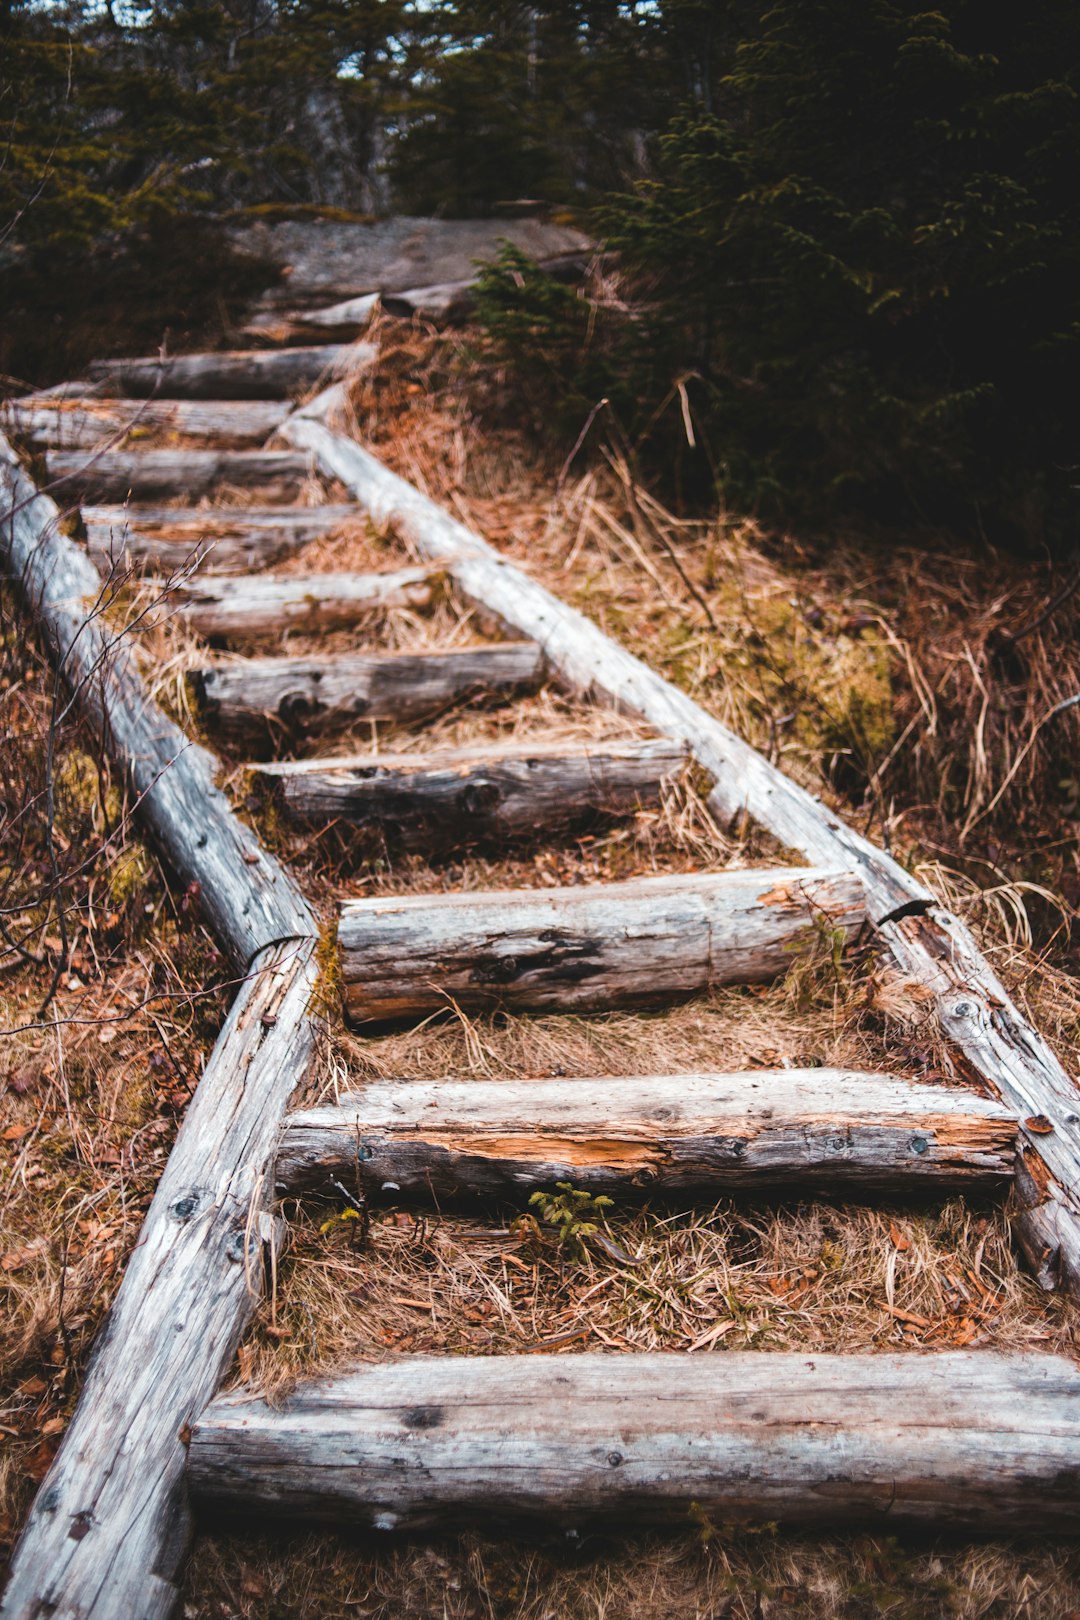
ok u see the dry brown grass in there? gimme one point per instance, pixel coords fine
(728, 1576)
(93, 1084)
(820, 684)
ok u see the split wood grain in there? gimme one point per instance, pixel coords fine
(228, 540)
(458, 797)
(113, 475)
(83, 424)
(991, 1038)
(293, 696)
(111, 1524)
(230, 373)
(824, 1129)
(246, 897)
(971, 1440)
(643, 943)
(265, 604)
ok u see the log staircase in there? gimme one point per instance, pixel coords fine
(972, 1439)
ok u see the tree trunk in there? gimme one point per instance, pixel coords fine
(824, 1130)
(643, 943)
(292, 696)
(969, 1440)
(467, 796)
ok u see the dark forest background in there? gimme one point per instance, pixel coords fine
(841, 238)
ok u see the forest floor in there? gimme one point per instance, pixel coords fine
(865, 671)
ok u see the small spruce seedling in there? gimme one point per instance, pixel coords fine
(575, 1213)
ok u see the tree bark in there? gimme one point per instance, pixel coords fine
(467, 796)
(643, 943)
(114, 475)
(973, 1441)
(230, 374)
(672, 1134)
(292, 696)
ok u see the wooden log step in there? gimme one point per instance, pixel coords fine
(464, 796)
(442, 304)
(643, 943)
(297, 695)
(80, 424)
(113, 475)
(336, 323)
(264, 604)
(230, 373)
(966, 1439)
(822, 1129)
(235, 540)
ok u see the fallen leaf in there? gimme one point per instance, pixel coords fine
(899, 1240)
(709, 1338)
(910, 1317)
(39, 1461)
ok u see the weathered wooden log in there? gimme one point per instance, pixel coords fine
(110, 1525)
(230, 373)
(263, 604)
(296, 695)
(443, 304)
(989, 1035)
(231, 540)
(467, 796)
(82, 424)
(248, 899)
(967, 1439)
(642, 943)
(109, 1528)
(673, 1134)
(338, 323)
(113, 475)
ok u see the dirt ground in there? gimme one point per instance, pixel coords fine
(111, 993)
